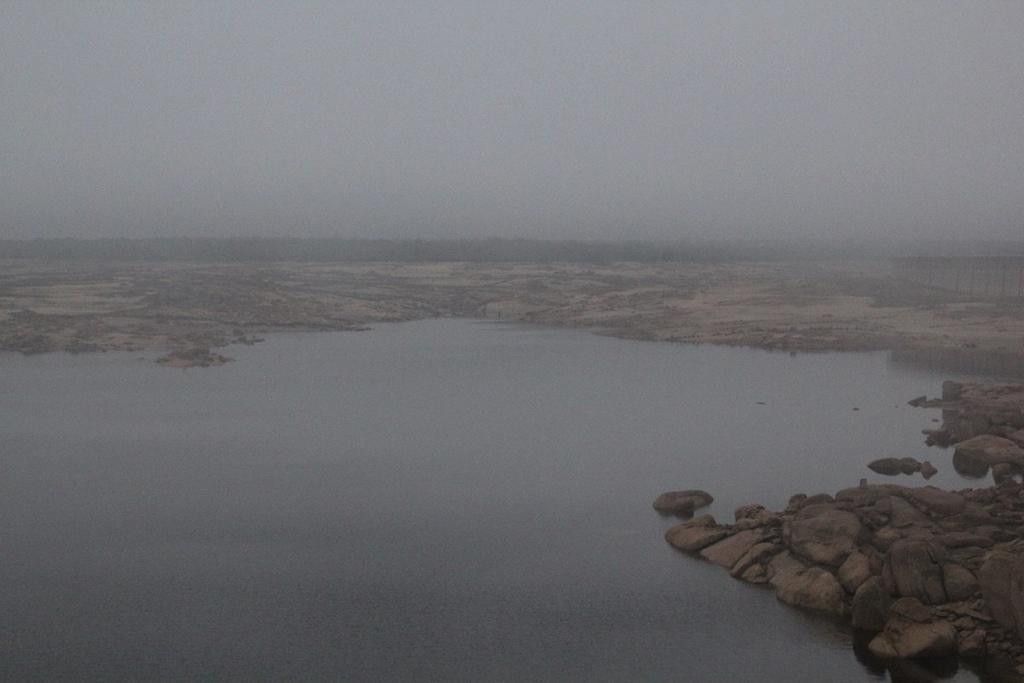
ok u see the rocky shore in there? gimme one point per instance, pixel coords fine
(921, 573)
(177, 307)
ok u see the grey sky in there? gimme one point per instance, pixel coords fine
(590, 119)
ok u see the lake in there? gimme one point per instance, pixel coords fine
(438, 500)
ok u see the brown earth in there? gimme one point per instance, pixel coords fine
(187, 309)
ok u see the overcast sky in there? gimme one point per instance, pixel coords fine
(592, 119)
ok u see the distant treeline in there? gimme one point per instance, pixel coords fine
(245, 249)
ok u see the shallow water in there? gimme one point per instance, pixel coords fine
(439, 500)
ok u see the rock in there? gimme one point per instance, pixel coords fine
(1017, 437)
(909, 466)
(901, 513)
(818, 499)
(1003, 472)
(826, 537)
(964, 539)
(870, 608)
(727, 552)
(908, 640)
(887, 466)
(682, 502)
(749, 511)
(885, 537)
(756, 556)
(959, 582)
(987, 450)
(696, 534)
(913, 568)
(854, 571)
(911, 609)
(1001, 578)
(928, 470)
(811, 588)
(936, 501)
(971, 643)
(952, 391)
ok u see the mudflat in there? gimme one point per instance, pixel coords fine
(188, 309)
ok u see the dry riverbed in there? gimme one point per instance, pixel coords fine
(186, 311)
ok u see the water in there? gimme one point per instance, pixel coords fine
(440, 500)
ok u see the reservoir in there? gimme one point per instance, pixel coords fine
(439, 500)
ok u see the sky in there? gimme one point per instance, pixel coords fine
(558, 119)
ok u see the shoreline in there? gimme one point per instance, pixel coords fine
(919, 573)
(188, 311)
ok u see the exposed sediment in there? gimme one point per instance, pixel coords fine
(923, 572)
(177, 306)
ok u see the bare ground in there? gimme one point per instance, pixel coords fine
(185, 310)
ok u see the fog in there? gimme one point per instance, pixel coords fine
(569, 120)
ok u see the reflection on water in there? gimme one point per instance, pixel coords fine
(440, 500)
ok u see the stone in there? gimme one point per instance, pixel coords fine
(960, 583)
(1003, 472)
(971, 643)
(1001, 578)
(727, 552)
(909, 466)
(901, 513)
(908, 640)
(812, 588)
(870, 608)
(887, 466)
(695, 534)
(987, 450)
(913, 568)
(854, 571)
(757, 555)
(964, 539)
(682, 502)
(936, 501)
(824, 537)
(910, 609)
(928, 470)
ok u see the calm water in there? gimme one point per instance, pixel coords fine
(440, 500)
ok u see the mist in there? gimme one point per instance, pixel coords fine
(582, 120)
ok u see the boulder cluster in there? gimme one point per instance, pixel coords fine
(923, 572)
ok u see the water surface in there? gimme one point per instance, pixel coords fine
(440, 500)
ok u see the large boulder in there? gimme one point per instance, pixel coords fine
(975, 455)
(696, 534)
(823, 534)
(913, 568)
(854, 571)
(905, 639)
(960, 582)
(726, 552)
(936, 501)
(811, 588)
(870, 608)
(887, 466)
(682, 502)
(1001, 578)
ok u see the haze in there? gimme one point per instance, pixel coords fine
(585, 120)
